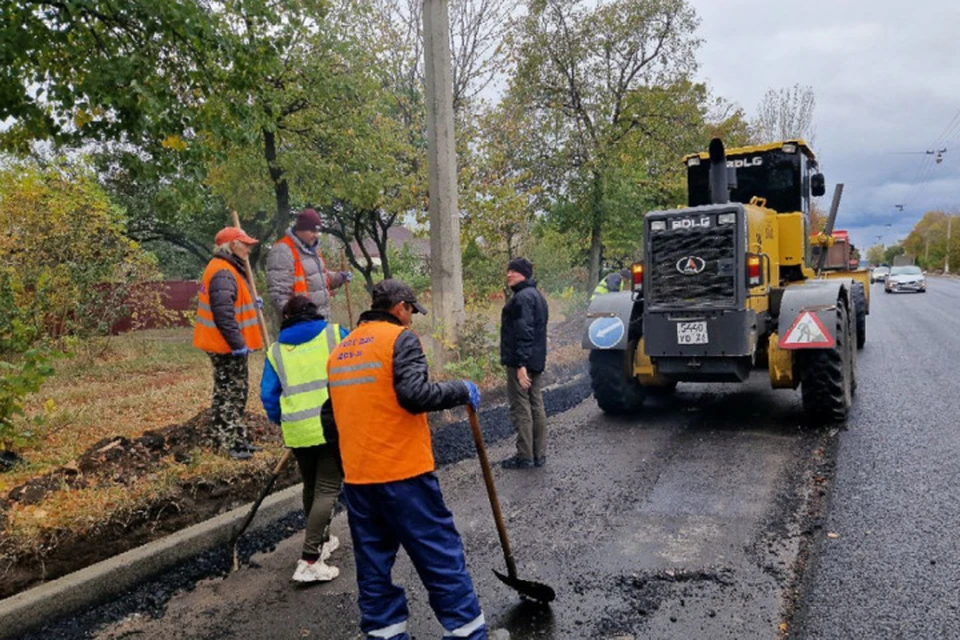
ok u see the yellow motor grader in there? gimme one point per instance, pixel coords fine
(729, 284)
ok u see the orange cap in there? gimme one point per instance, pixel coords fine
(229, 234)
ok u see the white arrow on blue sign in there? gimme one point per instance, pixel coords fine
(604, 333)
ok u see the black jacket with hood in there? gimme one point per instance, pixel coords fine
(523, 328)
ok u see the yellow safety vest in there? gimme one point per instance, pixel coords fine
(302, 369)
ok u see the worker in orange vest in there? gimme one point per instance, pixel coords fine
(295, 266)
(226, 328)
(380, 391)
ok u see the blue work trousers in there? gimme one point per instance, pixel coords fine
(409, 513)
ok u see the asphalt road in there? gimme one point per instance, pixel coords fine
(713, 514)
(893, 568)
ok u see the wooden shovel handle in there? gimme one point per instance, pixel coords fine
(491, 491)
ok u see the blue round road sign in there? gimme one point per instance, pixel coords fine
(604, 333)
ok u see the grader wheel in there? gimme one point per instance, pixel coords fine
(616, 391)
(827, 376)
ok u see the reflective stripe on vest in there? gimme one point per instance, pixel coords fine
(302, 370)
(299, 275)
(206, 336)
(380, 441)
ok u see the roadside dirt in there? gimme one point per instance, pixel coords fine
(120, 461)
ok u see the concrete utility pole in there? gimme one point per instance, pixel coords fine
(946, 259)
(446, 265)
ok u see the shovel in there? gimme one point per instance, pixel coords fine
(256, 505)
(526, 588)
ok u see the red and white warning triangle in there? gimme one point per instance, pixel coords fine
(807, 332)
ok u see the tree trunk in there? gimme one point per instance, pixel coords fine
(596, 228)
(280, 187)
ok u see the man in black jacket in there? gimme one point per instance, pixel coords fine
(523, 351)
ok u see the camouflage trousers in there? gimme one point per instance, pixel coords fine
(229, 399)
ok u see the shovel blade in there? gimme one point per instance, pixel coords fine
(536, 591)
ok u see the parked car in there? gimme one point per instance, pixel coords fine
(906, 278)
(879, 274)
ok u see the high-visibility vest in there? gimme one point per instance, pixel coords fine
(302, 369)
(380, 441)
(206, 336)
(604, 285)
(299, 275)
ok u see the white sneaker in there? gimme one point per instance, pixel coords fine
(315, 572)
(328, 547)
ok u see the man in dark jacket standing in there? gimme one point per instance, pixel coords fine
(380, 391)
(523, 351)
(226, 328)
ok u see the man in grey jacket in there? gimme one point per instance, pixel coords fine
(296, 267)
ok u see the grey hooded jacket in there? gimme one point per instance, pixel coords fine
(280, 275)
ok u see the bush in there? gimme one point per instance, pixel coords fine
(17, 379)
(66, 263)
(478, 353)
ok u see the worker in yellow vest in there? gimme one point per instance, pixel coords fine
(615, 281)
(293, 390)
(295, 266)
(226, 328)
(380, 390)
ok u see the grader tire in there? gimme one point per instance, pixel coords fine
(615, 391)
(860, 305)
(827, 375)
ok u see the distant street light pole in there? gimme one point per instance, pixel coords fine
(946, 258)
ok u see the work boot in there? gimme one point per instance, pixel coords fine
(539, 462)
(239, 453)
(329, 547)
(317, 571)
(517, 462)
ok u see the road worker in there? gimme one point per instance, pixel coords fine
(615, 281)
(226, 328)
(295, 266)
(380, 392)
(293, 390)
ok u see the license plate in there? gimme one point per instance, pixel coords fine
(692, 333)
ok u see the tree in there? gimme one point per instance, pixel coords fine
(579, 64)
(787, 113)
(104, 70)
(875, 254)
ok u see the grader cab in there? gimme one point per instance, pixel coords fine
(729, 285)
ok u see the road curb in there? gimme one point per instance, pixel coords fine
(100, 582)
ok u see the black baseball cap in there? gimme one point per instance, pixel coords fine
(387, 293)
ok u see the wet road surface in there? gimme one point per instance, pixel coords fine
(682, 522)
(892, 570)
(701, 517)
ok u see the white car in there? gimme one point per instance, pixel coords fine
(906, 278)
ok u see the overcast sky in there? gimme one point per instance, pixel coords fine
(887, 81)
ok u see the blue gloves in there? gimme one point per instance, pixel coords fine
(259, 302)
(347, 276)
(243, 351)
(474, 394)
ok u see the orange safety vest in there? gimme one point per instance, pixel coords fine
(380, 441)
(299, 275)
(206, 336)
